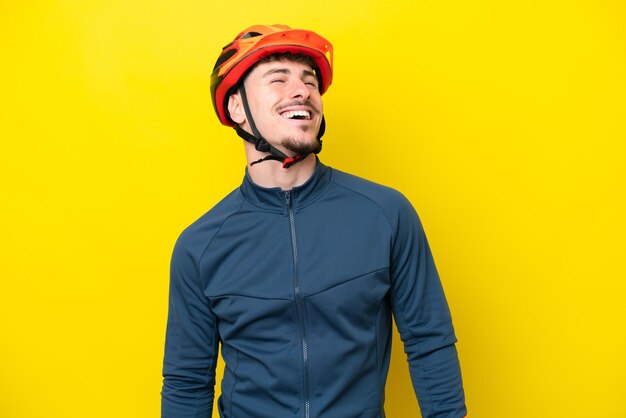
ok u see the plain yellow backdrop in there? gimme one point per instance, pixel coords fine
(503, 122)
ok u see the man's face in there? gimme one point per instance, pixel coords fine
(285, 104)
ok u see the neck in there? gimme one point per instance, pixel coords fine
(272, 174)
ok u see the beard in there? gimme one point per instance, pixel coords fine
(301, 147)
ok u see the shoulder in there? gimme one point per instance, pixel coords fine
(195, 239)
(391, 201)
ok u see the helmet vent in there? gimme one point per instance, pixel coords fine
(250, 35)
(225, 57)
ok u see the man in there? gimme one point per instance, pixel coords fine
(297, 272)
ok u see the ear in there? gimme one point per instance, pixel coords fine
(235, 108)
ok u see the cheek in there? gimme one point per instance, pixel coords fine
(317, 100)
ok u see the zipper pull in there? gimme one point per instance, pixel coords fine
(288, 198)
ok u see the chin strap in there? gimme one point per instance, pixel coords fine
(261, 144)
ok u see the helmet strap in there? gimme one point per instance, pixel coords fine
(261, 144)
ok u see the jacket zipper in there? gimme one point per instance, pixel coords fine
(299, 306)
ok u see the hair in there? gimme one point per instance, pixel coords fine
(287, 56)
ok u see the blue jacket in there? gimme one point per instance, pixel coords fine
(299, 288)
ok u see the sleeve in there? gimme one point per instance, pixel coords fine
(423, 318)
(191, 344)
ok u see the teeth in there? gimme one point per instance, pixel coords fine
(305, 114)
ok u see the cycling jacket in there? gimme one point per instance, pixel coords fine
(299, 288)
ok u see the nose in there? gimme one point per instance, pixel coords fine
(299, 90)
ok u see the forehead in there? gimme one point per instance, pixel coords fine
(291, 67)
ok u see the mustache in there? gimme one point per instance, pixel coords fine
(295, 103)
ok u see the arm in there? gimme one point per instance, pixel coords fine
(191, 342)
(423, 319)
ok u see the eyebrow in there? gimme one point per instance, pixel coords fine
(286, 71)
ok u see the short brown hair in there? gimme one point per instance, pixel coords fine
(287, 56)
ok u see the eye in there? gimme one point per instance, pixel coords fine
(311, 82)
(277, 80)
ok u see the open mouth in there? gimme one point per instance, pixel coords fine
(297, 115)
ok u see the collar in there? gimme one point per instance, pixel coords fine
(273, 198)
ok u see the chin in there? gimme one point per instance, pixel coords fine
(300, 146)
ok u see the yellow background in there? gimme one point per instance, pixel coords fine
(503, 122)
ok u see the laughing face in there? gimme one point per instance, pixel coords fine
(285, 104)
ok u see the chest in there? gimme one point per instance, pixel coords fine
(276, 255)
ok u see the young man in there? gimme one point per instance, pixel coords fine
(297, 273)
